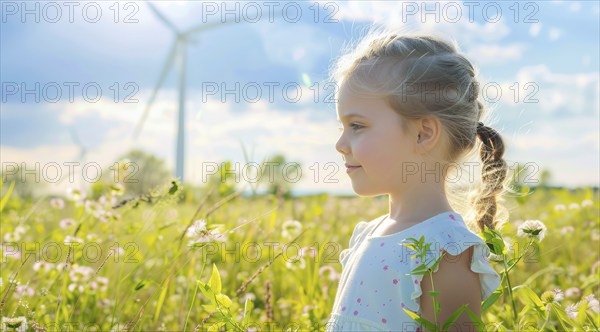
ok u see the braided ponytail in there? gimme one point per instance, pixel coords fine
(493, 175)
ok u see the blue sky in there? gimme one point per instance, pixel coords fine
(552, 44)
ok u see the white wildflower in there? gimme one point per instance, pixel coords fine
(559, 295)
(560, 207)
(215, 235)
(20, 230)
(75, 194)
(246, 296)
(593, 303)
(567, 229)
(291, 229)
(572, 293)
(24, 290)
(532, 229)
(57, 203)
(66, 223)
(308, 251)
(78, 287)
(80, 273)
(571, 310)
(12, 237)
(296, 262)
(330, 271)
(573, 206)
(595, 235)
(69, 240)
(587, 202)
(197, 228)
(42, 265)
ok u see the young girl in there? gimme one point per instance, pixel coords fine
(410, 112)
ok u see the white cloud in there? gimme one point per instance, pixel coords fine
(534, 29)
(448, 19)
(554, 34)
(495, 53)
(575, 6)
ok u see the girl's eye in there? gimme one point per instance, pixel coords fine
(356, 126)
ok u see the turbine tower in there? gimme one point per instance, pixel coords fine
(177, 53)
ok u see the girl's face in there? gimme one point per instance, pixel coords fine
(373, 139)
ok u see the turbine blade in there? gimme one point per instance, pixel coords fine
(166, 67)
(162, 17)
(74, 136)
(206, 26)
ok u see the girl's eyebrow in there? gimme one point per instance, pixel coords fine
(352, 115)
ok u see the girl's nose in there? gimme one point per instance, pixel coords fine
(341, 146)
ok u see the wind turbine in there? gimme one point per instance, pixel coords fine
(75, 138)
(177, 51)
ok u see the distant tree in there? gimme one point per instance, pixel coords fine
(280, 175)
(529, 175)
(27, 186)
(138, 172)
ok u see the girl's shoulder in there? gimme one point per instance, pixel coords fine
(362, 229)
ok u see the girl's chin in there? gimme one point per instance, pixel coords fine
(361, 190)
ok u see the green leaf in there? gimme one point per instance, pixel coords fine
(215, 280)
(427, 324)
(207, 291)
(224, 300)
(209, 307)
(173, 188)
(216, 326)
(491, 299)
(161, 298)
(434, 293)
(7, 195)
(140, 285)
(532, 299)
(453, 317)
(437, 262)
(248, 306)
(479, 325)
(563, 318)
(421, 269)
(581, 313)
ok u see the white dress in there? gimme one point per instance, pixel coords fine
(374, 285)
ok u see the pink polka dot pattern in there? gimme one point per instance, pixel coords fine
(393, 277)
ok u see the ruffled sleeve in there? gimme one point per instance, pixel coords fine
(455, 240)
(358, 234)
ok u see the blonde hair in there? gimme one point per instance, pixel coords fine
(424, 75)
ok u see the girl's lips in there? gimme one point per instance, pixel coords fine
(351, 168)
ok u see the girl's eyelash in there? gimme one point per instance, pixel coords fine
(356, 126)
(352, 125)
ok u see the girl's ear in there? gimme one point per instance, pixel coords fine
(428, 133)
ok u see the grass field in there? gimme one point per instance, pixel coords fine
(160, 263)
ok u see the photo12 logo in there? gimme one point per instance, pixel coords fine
(54, 92)
(69, 11)
(453, 12)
